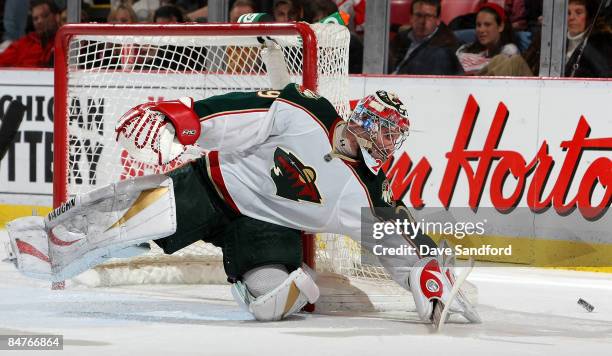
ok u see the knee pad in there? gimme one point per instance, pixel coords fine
(286, 299)
(262, 280)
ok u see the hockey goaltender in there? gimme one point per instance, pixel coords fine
(266, 165)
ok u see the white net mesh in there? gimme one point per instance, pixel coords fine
(107, 75)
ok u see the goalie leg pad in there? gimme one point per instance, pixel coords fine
(29, 246)
(286, 299)
(90, 227)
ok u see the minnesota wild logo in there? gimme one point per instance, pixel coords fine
(387, 193)
(293, 179)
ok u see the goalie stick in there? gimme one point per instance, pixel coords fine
(9, 127)
(441, 310)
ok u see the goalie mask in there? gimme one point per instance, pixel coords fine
(380, 124)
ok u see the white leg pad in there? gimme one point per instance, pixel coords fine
(90, 227)
(29, 246)
(286, 299)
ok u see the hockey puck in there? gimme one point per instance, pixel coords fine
(586, 305)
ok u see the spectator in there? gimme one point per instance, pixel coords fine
(317, 10)
(589, 41)
(516, 11)
(242, 59)
(531, 56)
(111, 55)
(494, 37)
(170, 57)
(14, 21)
(356, 10)
(240, 8)
(122, 14)
(534, 15)
(428, 47)
(594, 60)
(35, 49)
(190, 5)
(517, 14)
(145, 9)
(64, 16)
(287, 10)
(198, 15)
(465, 22)
(168, 14)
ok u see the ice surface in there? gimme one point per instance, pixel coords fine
(525, 312)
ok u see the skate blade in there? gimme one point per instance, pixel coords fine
(445, 309)
(436, 316)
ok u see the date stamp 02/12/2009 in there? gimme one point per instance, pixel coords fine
(31, 342)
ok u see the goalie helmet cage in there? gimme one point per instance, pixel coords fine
(103, 70)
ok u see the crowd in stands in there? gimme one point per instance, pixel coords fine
(428, 37)
(34, 48)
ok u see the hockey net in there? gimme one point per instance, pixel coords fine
(104, 70)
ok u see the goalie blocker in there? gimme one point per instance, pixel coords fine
(144, 131)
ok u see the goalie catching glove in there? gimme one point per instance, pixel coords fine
(431, 281)
(158, 133)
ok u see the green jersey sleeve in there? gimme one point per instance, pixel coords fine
(313, 103)
(235, 102)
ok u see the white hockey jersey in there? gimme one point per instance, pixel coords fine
(269, 159)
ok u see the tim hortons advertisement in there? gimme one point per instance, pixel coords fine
(532, 157)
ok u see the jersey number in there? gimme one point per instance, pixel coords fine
(268, 94)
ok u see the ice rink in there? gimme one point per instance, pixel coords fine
(525, 312)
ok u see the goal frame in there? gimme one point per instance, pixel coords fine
(65, 34)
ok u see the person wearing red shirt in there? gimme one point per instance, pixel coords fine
(35, 49)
